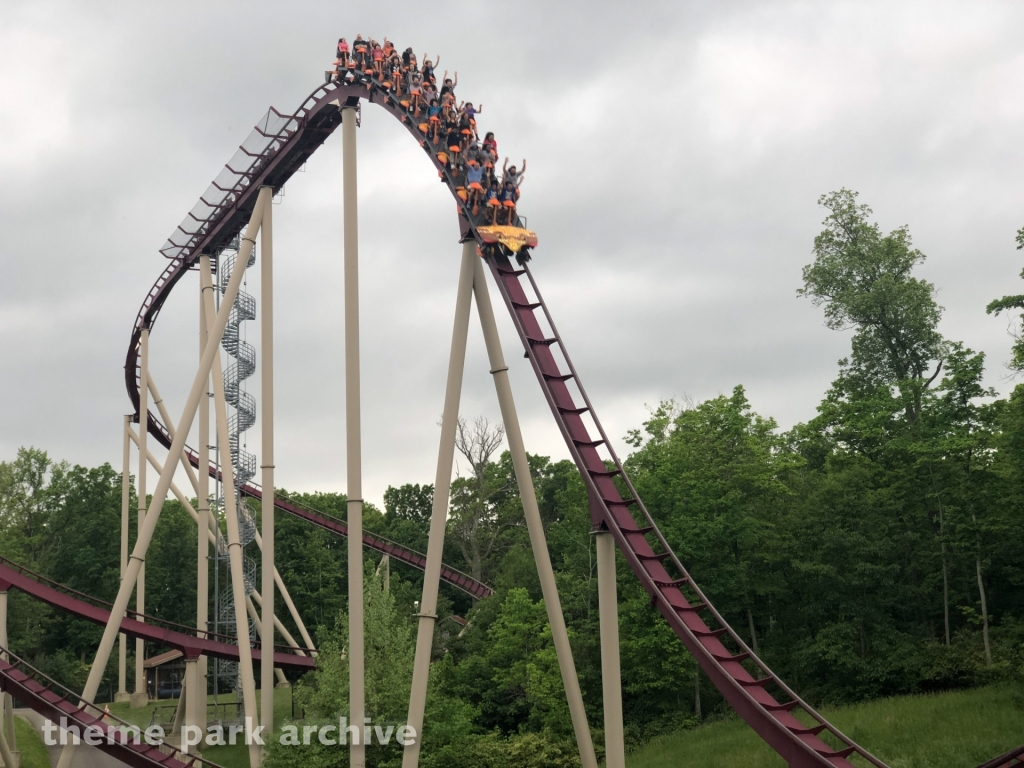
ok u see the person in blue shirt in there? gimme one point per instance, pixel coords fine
(433, 119)
(474, 184)
(508, 196)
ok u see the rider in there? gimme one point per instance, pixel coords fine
(474, 184)
(377, 54)
(434, 119)
(491, 195)
(509, 195)
(428, 69)
(360, 48)
(510, 174)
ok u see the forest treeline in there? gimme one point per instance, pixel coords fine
(874, 550)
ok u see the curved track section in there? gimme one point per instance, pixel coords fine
(277, 148)
(418, 560)
(184, 639)
(115, 736)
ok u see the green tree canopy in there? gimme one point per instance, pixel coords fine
(863, 279)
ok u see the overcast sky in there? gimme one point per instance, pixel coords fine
(676, 153)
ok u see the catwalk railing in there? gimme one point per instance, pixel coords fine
(787, 723)
(114, 736)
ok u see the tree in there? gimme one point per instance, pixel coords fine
(323, 693)
(713, 474)
(477, 519)
(863, 279)
(407, 515)
(967, 445)
(25, 504)
(1013, 302)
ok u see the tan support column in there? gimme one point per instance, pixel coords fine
(11, 757)
(192, 695)
(6, 753)
(181, 710)
(356, 669)
(126, 468)
(611, 673)
(559, 634)
(141, 696)
(267, 504)
(3, 644)
(259, 539)
(204, 522)
(110, 632)
(278, 625)
(211, 539)
(439, 508)
(231, 517)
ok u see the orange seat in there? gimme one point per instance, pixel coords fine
(424, 127)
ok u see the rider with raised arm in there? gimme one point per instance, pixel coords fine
(510, 175)
(448, 86)
(428, 69)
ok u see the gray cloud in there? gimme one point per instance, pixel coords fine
(675, 154)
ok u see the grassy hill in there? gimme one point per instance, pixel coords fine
(948, 730)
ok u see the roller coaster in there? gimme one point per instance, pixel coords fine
(224, 221)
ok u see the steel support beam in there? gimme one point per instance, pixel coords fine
(126, 469)
(6, 753)
(193, 696)
(220, 408)
(267, 465)
(204, 520)
(145, 536)
(353, 442)
(141, 696)
(611, 673)
(194, 479)
(11, 757)
(439, 508)
(211, 538)
(527, 494)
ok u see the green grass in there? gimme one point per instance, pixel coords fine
(236, 756)
(228, 757)
(30, 744)
(948, 730)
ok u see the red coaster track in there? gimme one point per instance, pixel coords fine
(112, 735)
(185, 639)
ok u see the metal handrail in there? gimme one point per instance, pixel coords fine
(14, 662)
